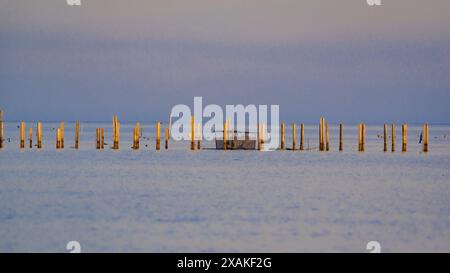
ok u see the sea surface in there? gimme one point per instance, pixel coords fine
(224, 201)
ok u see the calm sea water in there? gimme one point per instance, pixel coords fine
(183, 201)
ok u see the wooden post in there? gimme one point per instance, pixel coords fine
(136, 136)
(77, 134)
(259, 136)
(327, 136)
(199, 136)
(2, 136)
(61, 126)
(425, 137)
(282, 147)
(102, 141)
(225, 135)
(114, 128)
(193, 133)
(294, 136)
(58, 138)
(385, 137)
(166, 137)
(158, 135)
(321, 131)
(235, 139)
(320, 134)
(302, 137)
(404, 137)
(263, 136)
(30, 137)
(393, 137)
(116, 133)
(341, 137)
(97, 137)
(39, 135)
(22, 134)
(360, 137)
(363, 140)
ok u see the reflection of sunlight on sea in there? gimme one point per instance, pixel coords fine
(179, 200)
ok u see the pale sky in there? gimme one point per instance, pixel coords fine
(338, 58)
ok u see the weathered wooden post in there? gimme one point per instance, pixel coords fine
(193, 133)
(116, 132)
(199, 136)
(77, 134)
(61, 126)
(359, 137)
(385, 137)
(136, 136)
(58, 138)
(30, 137)
(302, 137)
(166, 137)
(259, 136)
(114, 125)
(341, 137)
(235, 139)
(321, 134)
(404, 137)
(327, 137)
(294, 136)
(225, 135)
(2, 136)
(114, 128)
(97, 138)
(282, 147)
(363, 137)
(39, 135)
(425, 137)
(393, 137)
(135, 133)
(22, 134)
(102, 134)
(158, 135)
(263, 136)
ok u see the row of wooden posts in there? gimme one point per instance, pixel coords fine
(324, 136)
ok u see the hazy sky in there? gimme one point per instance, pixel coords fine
(338, 58)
